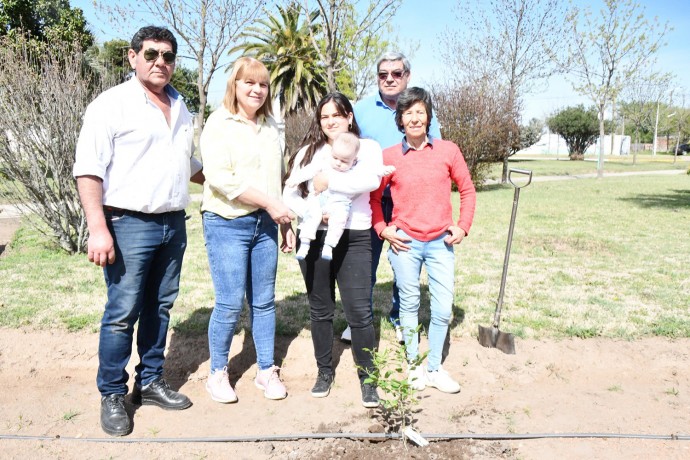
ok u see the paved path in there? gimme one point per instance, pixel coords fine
(10, 211)
(537, 178)
(666, 172)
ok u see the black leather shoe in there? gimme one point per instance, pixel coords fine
(158, 393)
(114, 418)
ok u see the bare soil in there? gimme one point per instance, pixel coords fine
(49, 404)
(602, 387)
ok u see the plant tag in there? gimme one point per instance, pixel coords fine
(415, 437)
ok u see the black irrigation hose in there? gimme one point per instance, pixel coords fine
(363, 436)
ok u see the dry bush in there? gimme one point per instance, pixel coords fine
(43, 94)
(477, 117)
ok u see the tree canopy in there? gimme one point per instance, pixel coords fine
(344, 26)
(531, 133)
(45, 21)
(44, 96)
(578, 126)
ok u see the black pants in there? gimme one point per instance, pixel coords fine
(351, 268)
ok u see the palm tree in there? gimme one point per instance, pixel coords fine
(283, 44)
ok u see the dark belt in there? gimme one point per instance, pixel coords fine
(126, 212)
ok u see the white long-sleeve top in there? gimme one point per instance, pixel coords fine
(367, 178)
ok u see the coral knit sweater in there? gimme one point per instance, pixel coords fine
(421, 189)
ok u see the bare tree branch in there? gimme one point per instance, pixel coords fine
(343, 24)
(511, 43)
(208, 28)
(607, 50)
(43, 96)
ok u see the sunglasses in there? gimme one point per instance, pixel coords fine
(396, 74)
(153, 54)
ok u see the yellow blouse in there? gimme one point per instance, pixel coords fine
(236, 156)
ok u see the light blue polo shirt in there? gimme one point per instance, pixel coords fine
(377, 121)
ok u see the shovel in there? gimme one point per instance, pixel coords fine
(492, 337)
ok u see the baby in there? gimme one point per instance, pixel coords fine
(337, 205)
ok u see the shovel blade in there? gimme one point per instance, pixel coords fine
(492, 337)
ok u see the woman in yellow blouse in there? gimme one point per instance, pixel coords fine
(241, 209)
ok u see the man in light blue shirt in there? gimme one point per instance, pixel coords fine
(375, 116)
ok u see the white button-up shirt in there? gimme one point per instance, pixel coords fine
(126, 141)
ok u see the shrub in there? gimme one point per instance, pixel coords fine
(43, 95)
(477, 117)
(579, 128)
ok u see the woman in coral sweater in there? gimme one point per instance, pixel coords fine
(422, 231)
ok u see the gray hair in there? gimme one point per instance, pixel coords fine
(394, 56)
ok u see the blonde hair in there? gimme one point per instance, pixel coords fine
(349, 143)
(252, 69)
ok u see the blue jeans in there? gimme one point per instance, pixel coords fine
(376, 248)
(243, 257)
(142, 283)
(439, 260)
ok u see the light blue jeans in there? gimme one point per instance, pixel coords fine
(243, 257)
(439, 260)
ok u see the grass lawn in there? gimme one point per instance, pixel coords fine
(589, 258)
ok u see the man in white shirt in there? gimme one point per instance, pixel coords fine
(133, 164)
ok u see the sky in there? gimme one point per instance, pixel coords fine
(421, 26)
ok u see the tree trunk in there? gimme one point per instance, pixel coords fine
(613, 124)
(202, 96)
(602, 133)
(504, 174)
(330, 78)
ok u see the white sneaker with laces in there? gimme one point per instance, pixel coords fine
(347, 335)
(219, 387)
(269, 381)
(441, 380)
(416, 377)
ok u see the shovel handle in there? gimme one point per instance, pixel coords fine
(516, 199)
(520, 171)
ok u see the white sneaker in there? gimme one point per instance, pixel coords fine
(219, 387)
(269, 381)
(399, 335)
(416, 378)
(442, 381)
(347, 335)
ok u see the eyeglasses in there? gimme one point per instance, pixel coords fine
(396, 74)
(152, 54)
